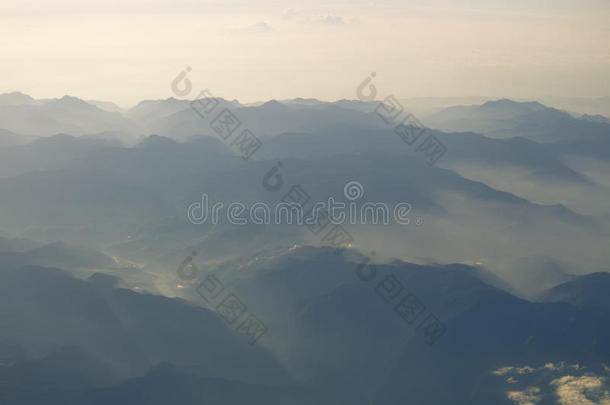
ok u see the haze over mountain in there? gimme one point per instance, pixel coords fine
(310, 203)
(506, 246)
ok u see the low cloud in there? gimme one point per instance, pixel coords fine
(513, 370)
(584, 390)
(530, 396)
(330, 20)
(572, 384)
(260, 26)
(322, 19)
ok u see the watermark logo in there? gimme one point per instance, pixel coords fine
(181, 86)
(409, 129)
(353, 190)
(290, 209)
(225, 123)
(406, 304)
(224, 302)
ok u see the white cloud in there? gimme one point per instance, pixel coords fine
(582, 390)
(530, 396)
(513, 370)
(571, 383)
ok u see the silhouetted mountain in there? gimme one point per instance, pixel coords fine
(66, 115)
(340, 336)
(166, 384)
(588, 291)
(150, 110)
(596, 118)
(481, 118)
(508, 213)
(338, 332)
(27, 252)
(466, 148)
(313, 102)
(54, 378)
(106, 106)
(116, 138)
(16, 98)
(44, 309)
(583, 105)
(8, 138)
(506, 118)
(271, 118)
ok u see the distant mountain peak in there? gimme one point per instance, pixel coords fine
(156, 141)
(501, 101)
(310, 100)
(53, 139)
(586, 290)
(506, 102)
(17, 94)
(15, 98)
(273, 104)
(595, 118)
(156, 102)
(70, 102)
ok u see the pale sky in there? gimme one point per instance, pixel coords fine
(128, 50)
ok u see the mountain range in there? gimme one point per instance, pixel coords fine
(496, 291)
